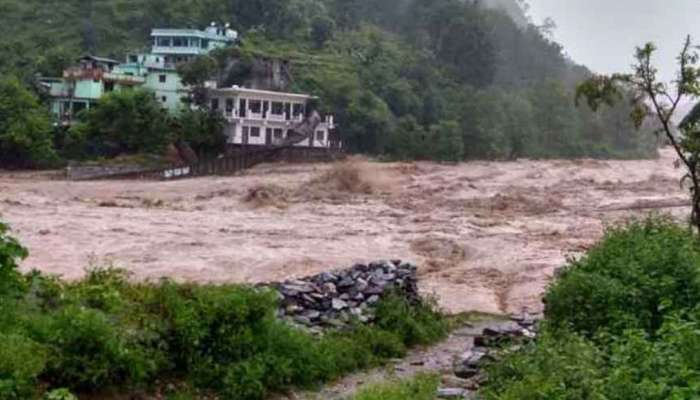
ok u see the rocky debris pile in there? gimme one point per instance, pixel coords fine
(489, 346)
(333, 299)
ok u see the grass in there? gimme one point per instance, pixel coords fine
(422, 387)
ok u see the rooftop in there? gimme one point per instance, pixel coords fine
(242, 90)
(211, 34)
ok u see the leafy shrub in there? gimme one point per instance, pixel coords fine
(558, 367)
(633, 279)
(21, 362)
(422, 387)
(11, 282)
(633, 305)
(60, 394)
(106, 332)
(90, 352)
(416, 324)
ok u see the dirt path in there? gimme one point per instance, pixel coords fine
(438, 359)
(488, 235)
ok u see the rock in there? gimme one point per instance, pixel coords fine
(451, 393)
(465, 372)
(302, 320)
(329, 288)
(339, 305)
(346, 283)
(312, 314)
(332, 299)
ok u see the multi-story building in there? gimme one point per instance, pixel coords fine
(267, 118)
(82, 85)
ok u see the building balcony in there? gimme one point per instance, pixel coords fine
(181, 51)
(125, 79)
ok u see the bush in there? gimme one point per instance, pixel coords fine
(124, 122)
(25, 131)
(623, 323)
(104, 332)
(633, 279)
(21, 362)
(563, 366)
(415, 324)
(90, 352)
(11, 252)
(422, 387)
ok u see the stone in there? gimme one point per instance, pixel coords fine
(339, 304)
(372, 300)
(346, 283)
(374, 290)
(312, 314)
(361, 285)
(302, 320)
(329, 288)
(451, 393)
(465, 372)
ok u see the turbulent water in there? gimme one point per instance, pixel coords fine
(487, 235)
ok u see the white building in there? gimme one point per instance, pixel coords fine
(265, 118)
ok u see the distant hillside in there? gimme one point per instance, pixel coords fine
(514, 9)
(405, 78)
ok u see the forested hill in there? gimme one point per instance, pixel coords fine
(442, 79)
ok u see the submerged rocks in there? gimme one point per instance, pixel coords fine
(333, 299)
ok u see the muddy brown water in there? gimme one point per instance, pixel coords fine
(487, 235)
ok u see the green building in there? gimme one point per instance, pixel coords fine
(82, 85)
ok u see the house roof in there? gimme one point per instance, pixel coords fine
(191, 32)
(99, 59)
(262, 93)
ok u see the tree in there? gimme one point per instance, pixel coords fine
(203, 130)
(658, 100)
(195, 74)
(126, 121)
(25, 131)
(322, 30)
(448, 141)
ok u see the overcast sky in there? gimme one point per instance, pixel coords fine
(602, 34)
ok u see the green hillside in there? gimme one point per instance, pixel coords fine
(439, 79)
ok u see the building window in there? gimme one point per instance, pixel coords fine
(254, 131)
(109, 87)
(278, 134)
(214, 104)
(229, 105)
(162, 78)
(178, 42)
(164, 99)
(277, 108)
(242, 108)
(255, 106)
(163, 42)
(246, 131)
(298, 110)
(320, 135)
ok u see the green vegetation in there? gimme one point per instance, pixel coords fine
(621, 323)
(416, 79)
(125, 122)
(422, 387)
(25, 131)
(105, 333)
